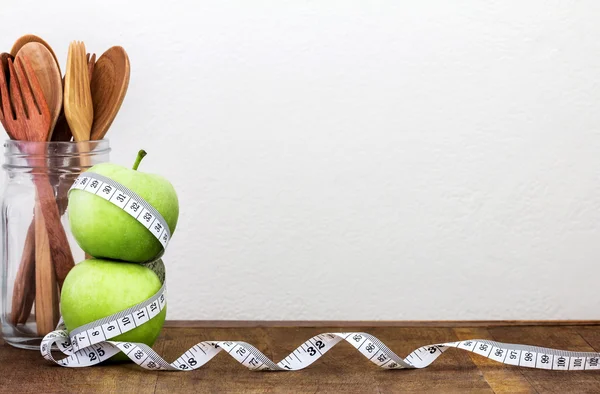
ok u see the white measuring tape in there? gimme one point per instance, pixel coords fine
(90, 344)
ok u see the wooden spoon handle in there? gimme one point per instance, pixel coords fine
(46, 292)
(59, 244)
(24, 287)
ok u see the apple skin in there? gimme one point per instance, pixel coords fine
(97, 288)
(103, 230)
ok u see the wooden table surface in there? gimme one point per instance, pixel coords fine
(343, 369)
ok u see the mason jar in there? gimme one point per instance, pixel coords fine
(38, 249)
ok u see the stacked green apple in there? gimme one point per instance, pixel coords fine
(116, 278)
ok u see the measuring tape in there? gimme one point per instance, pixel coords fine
(90, 344)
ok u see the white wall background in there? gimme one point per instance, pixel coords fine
(361, 160)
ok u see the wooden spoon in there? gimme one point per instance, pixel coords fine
(109, 86)
(21, 41)
(48, 75)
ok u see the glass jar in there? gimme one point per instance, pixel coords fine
(38, 249)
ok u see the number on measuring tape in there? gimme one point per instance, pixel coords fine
(94, 186)
(133, 207)
(140, 317)
(119, 199)
(106, 191)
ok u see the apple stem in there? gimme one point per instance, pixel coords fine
(139, 158)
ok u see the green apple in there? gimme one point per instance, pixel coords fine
(104, 230)
(96, 288)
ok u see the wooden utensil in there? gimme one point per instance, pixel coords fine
(48, 75)
(4, 56)
(6, 113)
(32, 115)
(64, 134)
(32, 118)
(24, 286)
(47, 310)
(4, 69)
(91, 60)
(109, 86)
(22, 41)
(61, 130)
(79, 109)
(38, 114)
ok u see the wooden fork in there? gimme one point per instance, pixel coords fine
(79, 109)
(32, 118)
(32, 115)
(62, 132)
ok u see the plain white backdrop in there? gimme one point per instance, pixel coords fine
(361, 160)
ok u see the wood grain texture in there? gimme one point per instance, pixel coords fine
(22, 41)
(77, 102)
(567, 338)
(4, 84)
(340, 370)
(24, 285)
(59, 244)
(48, 75)
(46, 290)
(500, 377)
(110, 80)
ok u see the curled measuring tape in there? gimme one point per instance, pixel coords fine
(83, 348)
(91, 344)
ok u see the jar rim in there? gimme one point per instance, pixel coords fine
(49, 156)
(11, 142)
